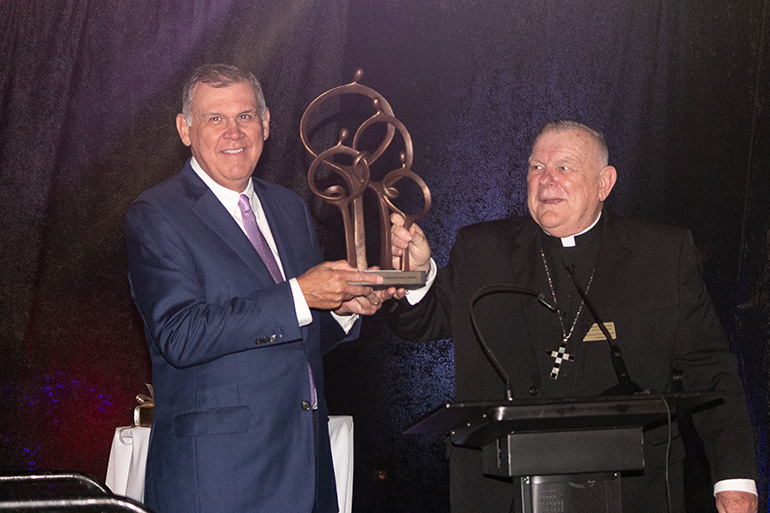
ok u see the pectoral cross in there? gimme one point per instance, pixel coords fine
(559, 356)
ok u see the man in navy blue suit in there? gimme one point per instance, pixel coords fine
(238, 307)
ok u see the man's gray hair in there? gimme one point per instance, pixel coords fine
(220, 75)
(561, 125)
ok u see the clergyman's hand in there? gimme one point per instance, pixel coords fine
(362, 305)
(736, 502)
(369, 304)
(412, 240)
(328, 285)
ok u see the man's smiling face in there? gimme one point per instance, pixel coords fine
(567, 182)
(226, 135)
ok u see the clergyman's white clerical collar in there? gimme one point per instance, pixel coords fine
(569, 241)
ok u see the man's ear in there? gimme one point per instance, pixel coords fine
(607, 177)
(266, 124)
(183, 129)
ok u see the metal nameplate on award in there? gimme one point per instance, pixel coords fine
(353, 164)
(396, 278)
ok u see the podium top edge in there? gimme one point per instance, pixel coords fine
(448, 415)
(641, 397)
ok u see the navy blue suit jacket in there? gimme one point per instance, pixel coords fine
(232, 431)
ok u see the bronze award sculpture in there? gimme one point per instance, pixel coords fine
(353, 164)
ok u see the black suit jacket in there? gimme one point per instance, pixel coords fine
(647, 281)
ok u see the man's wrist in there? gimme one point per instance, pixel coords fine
(304, 316)
(415, 295)
(736, 485)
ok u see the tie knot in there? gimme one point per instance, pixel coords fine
(244, 204)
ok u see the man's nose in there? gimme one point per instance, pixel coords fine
(548, 177)
(233, 130)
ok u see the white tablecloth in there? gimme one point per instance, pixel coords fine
(128, 458)
(341, 436)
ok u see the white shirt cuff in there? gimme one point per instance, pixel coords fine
(304, 317)
(415, 295)
(736, 485)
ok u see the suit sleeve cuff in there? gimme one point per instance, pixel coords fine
(414, 296)
(304, 317)
(736, 485)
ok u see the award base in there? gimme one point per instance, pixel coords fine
(395, 278)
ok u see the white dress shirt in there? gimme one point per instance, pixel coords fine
(229, 199)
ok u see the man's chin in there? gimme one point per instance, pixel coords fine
(239, 171)
(550, 222)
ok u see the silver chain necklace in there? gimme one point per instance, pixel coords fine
(562, 354)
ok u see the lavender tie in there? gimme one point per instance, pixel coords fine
(257, 239)
(260, 244)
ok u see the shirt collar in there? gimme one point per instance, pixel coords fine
(228, 197)
(569, 241)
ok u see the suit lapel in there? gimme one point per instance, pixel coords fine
(529, 273)
(609, 274)
(277, 219)
(613, 255)
(210, 211)
(525, 256)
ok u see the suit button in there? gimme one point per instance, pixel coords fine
(266, 340)
(306, 405)
(533, 390)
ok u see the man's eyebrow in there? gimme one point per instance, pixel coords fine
(220, 114)
(567, 160)
(560, 161)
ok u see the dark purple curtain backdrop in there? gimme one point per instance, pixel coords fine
(88, 95)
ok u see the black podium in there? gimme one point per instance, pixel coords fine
(566, 453)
